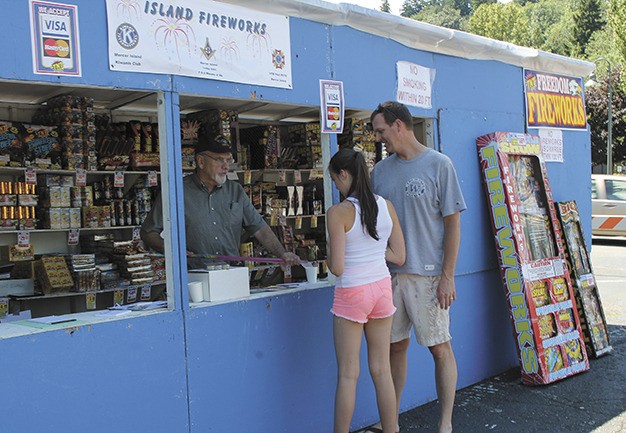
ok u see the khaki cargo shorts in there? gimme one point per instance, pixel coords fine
(415, 297)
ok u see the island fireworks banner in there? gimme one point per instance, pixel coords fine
(554, 101)
(204, 39)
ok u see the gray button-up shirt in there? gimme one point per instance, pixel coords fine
(215, 221)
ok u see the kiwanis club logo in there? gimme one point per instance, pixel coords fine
(278, 59)
(415, 188)
(127, 36)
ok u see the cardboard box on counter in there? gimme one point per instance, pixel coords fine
(222, 284)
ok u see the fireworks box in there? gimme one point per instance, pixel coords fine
(530, 251)
(590, 309)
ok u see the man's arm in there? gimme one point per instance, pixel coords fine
(268, 239)
(153, 240)
(446, 292)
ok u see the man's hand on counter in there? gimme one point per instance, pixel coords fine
(290, 258)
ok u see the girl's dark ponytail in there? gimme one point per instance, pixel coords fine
(354, 163)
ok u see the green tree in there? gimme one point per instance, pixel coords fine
(476, 3)
(548, 25)
(559, 37)
(411, 7)
(617, 20)
(603, 43)
(384, 7)
(445, 16)
(596, 103)
(588, 18)
(505, 22)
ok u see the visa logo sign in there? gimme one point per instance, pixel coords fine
(55, 26)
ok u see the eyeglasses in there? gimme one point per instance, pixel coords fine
(221, 160)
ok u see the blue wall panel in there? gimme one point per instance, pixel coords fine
(458, 130)
(367, 66)
(263, 365)
(120, 376)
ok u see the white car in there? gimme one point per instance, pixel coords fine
(608, 205)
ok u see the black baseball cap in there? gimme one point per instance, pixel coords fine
(215, 144)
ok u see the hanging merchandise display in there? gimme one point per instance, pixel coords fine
(532, 258)
(588, 301)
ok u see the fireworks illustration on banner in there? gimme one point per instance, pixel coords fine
(128, 8)
(173, 33)
(531, 81)
(259, 44)
(229, 49)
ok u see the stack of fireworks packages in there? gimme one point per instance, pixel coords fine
(532, 260)
(359, 136)
(75, 120)
(211, 123)
(84, 271)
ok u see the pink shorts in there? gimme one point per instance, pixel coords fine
(361, 303)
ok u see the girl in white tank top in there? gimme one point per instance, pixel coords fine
(364, 233)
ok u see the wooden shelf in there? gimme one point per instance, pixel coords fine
(67, 294)
(82, 229)
(20, 170)
(322, 215)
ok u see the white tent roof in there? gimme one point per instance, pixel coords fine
(422, 36)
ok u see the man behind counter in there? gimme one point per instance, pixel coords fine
(217, 210)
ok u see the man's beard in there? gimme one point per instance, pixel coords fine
(220, 180)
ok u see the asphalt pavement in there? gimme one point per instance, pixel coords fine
(590, 402)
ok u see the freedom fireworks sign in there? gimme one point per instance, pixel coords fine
(204, 39)
(554, 101)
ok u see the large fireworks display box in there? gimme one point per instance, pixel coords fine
(590, 309)
(530, 251)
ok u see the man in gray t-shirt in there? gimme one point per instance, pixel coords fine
(217, 210)
(423, 187)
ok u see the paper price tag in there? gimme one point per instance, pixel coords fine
(313, 174)
(23, 238)
(298, 222)
(247, 177)
(118, 297)
(282, 176)
(81, 177)
(118, 179)
(4, 306)
(72, 237)
(153, 179)
(314, 221)
(297, 176)
(136, 234)
(30, 176)
(282, 220)
(146, 290)
(131, 295)
(90, 300)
